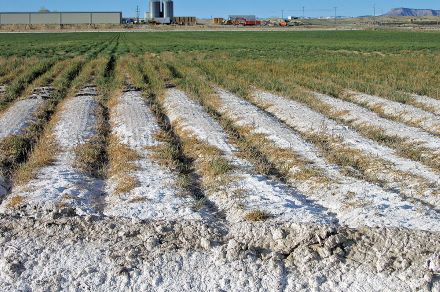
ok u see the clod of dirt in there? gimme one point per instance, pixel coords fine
(113, 253)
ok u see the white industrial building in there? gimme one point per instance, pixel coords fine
(60, 18)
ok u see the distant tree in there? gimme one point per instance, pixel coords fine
(43, 9)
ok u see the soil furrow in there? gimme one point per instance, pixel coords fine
(153, 194)
(19, 116)
(192, 161)
(59, 186)
(17, 71)
(24, 80)
(404, 113)
(432, 104)
(359, 117)
(29, 125)
(305, 120)
(13, 123)
(247, 193)
(357, 203)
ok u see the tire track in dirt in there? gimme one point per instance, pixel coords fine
(404, 113)
(60, 185)
(247, 191)
(357, 203)
(156, 196)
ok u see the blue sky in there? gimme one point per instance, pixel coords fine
(208, 8)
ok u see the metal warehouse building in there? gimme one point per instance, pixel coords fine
(60, 18)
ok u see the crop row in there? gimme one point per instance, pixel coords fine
(289, 139)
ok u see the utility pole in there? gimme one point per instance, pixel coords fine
(304, 13)
(137, 13)
(282, 14)
(374, 14)
(438, 18)
(336, 13)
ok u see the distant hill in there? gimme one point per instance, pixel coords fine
(412, 12)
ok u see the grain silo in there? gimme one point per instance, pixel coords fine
(168, 9)
(155, 9)
(162, 11)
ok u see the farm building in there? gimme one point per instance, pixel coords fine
(60, 18)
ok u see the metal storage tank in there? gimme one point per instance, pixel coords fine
(168, 11)
(155, 9)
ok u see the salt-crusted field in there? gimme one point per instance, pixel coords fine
(217, 171)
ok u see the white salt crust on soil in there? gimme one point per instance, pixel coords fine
(356, 203)
(107, 254)
(410, 182)
(17, 117)
(257, 192)
(156, 197)
(405, 113)
(358, 115)
(66, 252)
(428, 102)
(21, 114)
(304, 119)
(60, 184)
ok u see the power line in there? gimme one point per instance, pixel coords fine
(308, 10)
